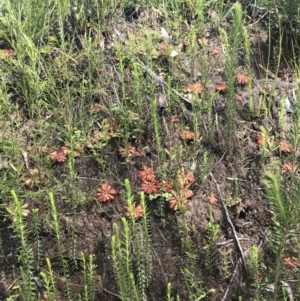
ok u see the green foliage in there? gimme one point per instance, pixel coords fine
(60, 246)
(169, 295)
(156, 130)
(132, 259)
(18, 19)
(277, 200)
(225, 258)
(89, 278)
(37, 247)
(232, 44)
(25, 256)
(121, 255)
(211, 249)
(196, 289)
(287, 218)
(254, 110)
(286, 10)
(254, 270)
(49, 279)
(254, 262)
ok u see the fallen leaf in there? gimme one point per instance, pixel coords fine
(173, 53)
(202, 41)
(187, 135)
(162, 100)
(164, 34)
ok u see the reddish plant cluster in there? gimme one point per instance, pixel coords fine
(259, 139)
(96, 107)
(149, 185)
(105, 193)
(290, 260)
(195, 88)
(212, 199)
(187, 135)
(7, 53)
(215, 51)
(221, 87)
(286, 73)
(242, 78)
(138, 212)
(288, 168)
(131, 152)
(175, 118)
(34, 178)
(60, 155)
(284, 146)
(239, 97)
(179, 198)
(167, 187)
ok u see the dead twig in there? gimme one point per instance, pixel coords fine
(111, 293)
(237, 265)
(26, 159)
(11, 285)
(231, 279)
(230, 222)
(235, 179)
(268, 72)
(230, 241)
(159, 262)
(160, 81)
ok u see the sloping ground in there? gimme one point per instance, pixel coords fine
(227, 193)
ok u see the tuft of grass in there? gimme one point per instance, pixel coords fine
(233, 44)
(287, 219)
(211, 251)
(25, 256)
(132, 259)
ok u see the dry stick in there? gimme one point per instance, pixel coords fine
(231, 279)
(159, 262)
(111, 293)
(229, 221)
(230, 241)
(163, 83)
(160, 81)
(236, 268)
